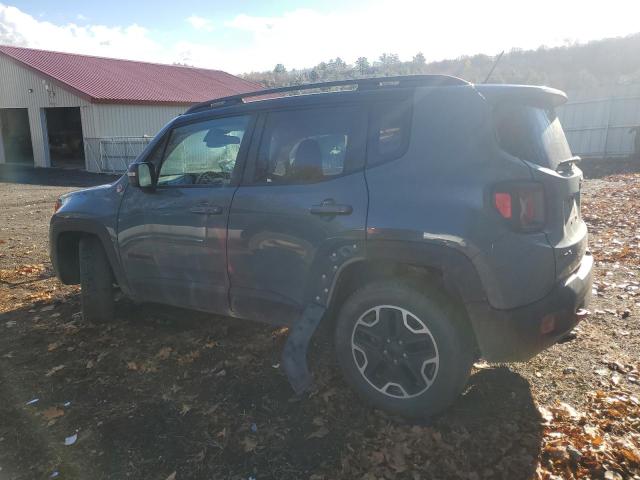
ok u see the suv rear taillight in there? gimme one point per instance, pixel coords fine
(521, 204)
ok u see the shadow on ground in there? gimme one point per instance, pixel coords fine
(54, 177)
(602, 167)
(162, 390)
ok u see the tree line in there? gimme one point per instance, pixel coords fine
(573, 66)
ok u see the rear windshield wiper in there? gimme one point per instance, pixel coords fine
(566, 165)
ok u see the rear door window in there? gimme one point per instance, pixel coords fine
(531, 133)
(310, 145)
(390, 130)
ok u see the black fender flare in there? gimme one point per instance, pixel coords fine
(60, 225)
(459, 275)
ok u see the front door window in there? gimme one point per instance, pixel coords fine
(203, 153)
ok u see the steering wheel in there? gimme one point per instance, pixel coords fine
(207, 178)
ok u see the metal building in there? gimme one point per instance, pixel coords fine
(602, 122)
(78, 111)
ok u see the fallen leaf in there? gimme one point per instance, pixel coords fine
(249, 444)
(481, 365)
(398, 461)
(54, 370)
(189, 357)
(164, 353)
(320, 433)
(632, 456)
(52, 412)
(546, 414)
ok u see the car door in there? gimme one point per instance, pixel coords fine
(172, 238)
(300, 212)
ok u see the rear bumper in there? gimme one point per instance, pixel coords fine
(519, 334)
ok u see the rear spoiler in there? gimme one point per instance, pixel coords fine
(527, 94)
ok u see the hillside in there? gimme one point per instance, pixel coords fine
(602, 62)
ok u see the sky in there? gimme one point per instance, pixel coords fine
(242, 36)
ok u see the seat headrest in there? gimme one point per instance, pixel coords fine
(307, 164)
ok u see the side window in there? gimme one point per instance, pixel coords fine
(305, 146)
(390, 131)
(203, 153)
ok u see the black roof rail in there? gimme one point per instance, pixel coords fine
(359, 83)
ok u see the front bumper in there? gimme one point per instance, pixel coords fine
(519, 334)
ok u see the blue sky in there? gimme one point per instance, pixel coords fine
(251, 35)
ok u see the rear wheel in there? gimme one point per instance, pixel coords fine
(96, 281)
(404, 351)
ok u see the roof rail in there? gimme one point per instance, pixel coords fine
(359, 83)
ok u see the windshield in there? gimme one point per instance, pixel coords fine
(532, 133)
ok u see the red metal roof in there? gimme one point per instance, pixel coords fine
(109, 80)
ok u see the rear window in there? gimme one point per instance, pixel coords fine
(391, 126)
(532, 133)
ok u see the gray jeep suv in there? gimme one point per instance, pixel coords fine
(429, 220)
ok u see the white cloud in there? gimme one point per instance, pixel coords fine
(304, 37)
(200, 23)
(131, 42)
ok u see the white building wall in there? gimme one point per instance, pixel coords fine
(119, 129)
(132, 120)
(99, 121)
(15, 83)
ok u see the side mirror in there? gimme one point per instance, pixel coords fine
(141, 175)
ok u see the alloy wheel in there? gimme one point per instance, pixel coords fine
(395, 351)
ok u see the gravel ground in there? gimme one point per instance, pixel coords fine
(168, 394)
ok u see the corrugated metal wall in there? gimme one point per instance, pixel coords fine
(120, 128)
(133, 120)
(598, 121)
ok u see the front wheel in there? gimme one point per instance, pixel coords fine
(404, 351)
(96, 281)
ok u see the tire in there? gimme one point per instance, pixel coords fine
(432, 363)
(96, 282)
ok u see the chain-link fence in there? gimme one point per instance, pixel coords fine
(113, 154)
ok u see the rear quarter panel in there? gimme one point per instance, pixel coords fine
(438, 191)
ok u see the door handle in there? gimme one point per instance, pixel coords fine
(206, 210)
(329, 207)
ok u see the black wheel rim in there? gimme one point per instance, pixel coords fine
(395, 351)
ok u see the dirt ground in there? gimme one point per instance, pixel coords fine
(169, 394)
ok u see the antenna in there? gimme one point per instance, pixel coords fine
(495, 64)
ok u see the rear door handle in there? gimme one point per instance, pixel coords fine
(206, 210)
(329, 207)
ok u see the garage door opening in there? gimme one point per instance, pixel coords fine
(16, 136)
(64, 131)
